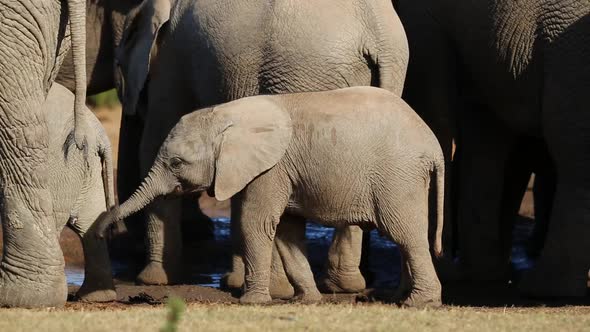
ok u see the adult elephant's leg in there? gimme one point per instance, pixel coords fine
(365, 265)
(518, 171)
(562, 267)
(164, 243)
(32, 267)
(543, 196)
(128, 179)
(234, 279)
(431, 89)
(163, 230)
(342, 274)
(196, 226)
(482, 161)
(98, 283)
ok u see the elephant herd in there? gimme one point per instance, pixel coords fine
(500, 87)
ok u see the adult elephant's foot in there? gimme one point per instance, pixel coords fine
(97, 289)
(96, 295)
(98, 283)
(155, 274)
(447, 270)
(19, 291)
(255, 298)
(342, 282)
(232, 280)
(483, 272)
(544, 283)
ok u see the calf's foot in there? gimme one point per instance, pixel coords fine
(418, 300)
(308, 297)
(342, 282)
(255, 298)
(280, 287)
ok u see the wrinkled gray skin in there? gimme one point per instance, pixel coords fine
(355, 156)
(104, 27)
(81, 183)
(216, 51)
(523, 66)
(34, 37)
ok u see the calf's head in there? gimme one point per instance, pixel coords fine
(223, 147)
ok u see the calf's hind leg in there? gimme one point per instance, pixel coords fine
(404, 217)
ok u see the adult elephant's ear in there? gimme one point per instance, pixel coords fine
(134, 52)
(254, 134)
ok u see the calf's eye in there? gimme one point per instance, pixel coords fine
(176, 162)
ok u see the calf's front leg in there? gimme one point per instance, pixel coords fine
(258, 211)
(290, 242)
(257, 228)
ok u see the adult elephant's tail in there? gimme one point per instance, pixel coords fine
(439, 169)
(77, 14)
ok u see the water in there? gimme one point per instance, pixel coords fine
(215, 278)
(522, 232)
(75, 275)
(383, 257)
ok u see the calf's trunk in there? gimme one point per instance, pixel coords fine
(158, 182)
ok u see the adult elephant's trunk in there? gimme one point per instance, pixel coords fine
(158, 182)
(77, 14)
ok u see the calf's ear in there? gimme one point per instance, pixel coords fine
(255, 135)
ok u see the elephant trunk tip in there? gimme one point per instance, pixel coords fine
(104, 221)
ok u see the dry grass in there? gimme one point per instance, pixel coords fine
(203, 317)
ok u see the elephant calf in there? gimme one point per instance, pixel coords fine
(81, 183)
(354, 156)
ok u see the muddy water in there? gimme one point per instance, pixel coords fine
(383, 256)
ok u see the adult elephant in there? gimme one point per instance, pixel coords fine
(216, 51)
(34, 37)
(105, 21)
(523, 66)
